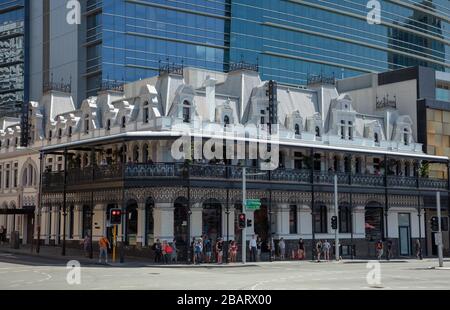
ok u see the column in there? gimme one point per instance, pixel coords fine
(54, 232)
(141, 234)
(196, 221)
(98, 221)
(47, 229)
(164, 221)
(283, 220)
(77, 222)
(230, 223)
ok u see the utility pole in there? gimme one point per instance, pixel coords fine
(336, 213)
(439, 233)
(64, 204)
(244, 230)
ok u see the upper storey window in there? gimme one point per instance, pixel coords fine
(186, 112)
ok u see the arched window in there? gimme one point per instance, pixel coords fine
(226, 120)
(25, 177)
(108, 125)
(70, 131)
(376, 138)
(7, 142)
(16, 142)
(50, 133)
(342, 130)
(336, 164)
(124, 121)
(407, 169)
(317, 132)
(347, 164)
(136, 153)
(350, 130)
(297, 129)
(59, 133)
(406, 136)
(146, 113)
(186, 112)
(145, 156)
(86, 124)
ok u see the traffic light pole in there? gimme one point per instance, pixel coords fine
(336, 212)
(440, 252)
(114, 243)
(244, 230)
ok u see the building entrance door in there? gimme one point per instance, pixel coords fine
(404, 240)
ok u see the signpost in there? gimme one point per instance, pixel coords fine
(253, 204)
(439, 233)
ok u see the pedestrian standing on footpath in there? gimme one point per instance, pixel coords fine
(418, 250)
(282, 249)
(326, 250)
(258, 249)
(87, 245)
(219, 250)
(192, 247)
(198, 252)
(389, 250)
(379, 248)
(168, 251)
(253, 249)
(2, 234)
(208, 250)
(318, 250)
(175, 251)
(301, 249)
(103, 245)
(271, 246)
(157, 248)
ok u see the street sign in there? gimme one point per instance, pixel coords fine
(253, 204)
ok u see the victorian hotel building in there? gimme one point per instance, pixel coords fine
(115, 151)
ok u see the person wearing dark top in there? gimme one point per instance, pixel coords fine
(301, 249)
(157, 247)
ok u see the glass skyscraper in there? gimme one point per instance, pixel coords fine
(289, 39)
(130, 39)
(13, 55)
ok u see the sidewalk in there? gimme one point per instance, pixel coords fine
(54, 253)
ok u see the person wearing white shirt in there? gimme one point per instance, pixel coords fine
(253, 249)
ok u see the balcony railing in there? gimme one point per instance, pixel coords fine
(181, 171)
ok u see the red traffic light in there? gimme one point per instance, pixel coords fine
(242, 223)
(116, 216)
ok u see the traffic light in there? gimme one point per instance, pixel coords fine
(115, 216)
(249, 223)
(435, 223)
(242, 221)
(334, 223)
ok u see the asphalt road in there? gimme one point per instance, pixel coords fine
(21, 272)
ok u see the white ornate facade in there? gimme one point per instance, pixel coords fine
(118, 148)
